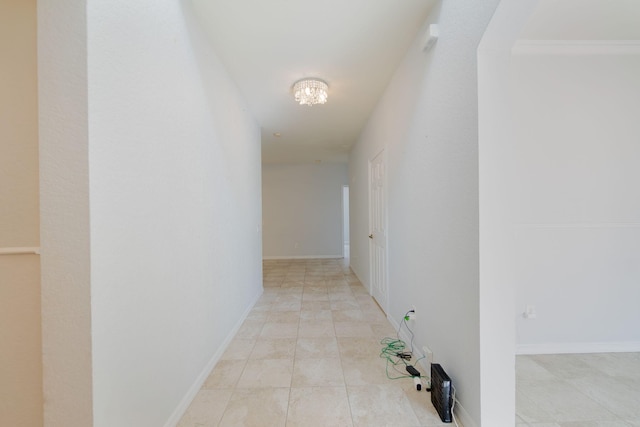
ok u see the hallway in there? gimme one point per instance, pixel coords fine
(308, 355)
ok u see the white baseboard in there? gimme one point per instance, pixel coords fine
(182, 407)
(463, 417)
(587, 347)
(304, 257)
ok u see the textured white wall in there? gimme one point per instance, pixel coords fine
(575, 199)
(302, 209)
(144, 284)
(175, 208)
(428, 122)
(64, 213)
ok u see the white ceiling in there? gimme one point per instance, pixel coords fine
(353, 45)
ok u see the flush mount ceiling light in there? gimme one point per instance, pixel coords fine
(310, 91)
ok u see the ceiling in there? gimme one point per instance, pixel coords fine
(353, 45)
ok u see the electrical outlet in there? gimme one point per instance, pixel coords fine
(412, 314)
(530, 312)
(428, 354)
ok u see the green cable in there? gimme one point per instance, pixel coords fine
(395, 346)
(392, 347)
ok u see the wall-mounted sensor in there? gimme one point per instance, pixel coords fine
(430, 38)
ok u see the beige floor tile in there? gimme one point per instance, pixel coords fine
(316, 328)
(359, 291)
(225, 374)
(420, 403)
(271, 283)
(316, 348)
(345, 304)
(314, 289)
(380, 405)
(316, 305)
(338, 297)
(352, 278)
(206, 409)
(326, 372)
(283, 316)
(361, 371)
(258, 315)
(336, 280)
(286, 306)
(348, 315)
(293, 297)
(528, 369)
(620, 395)
(315, 298)
(375, 313)
(266, 373)
(315, 315)
(562, 402)
(239, 348)
(364, 299)
(531, 411)
(263, 303)
(318, 407)
(287, 283)
(383, 330)
(612, 423)
(564, 366)
(279, 330)
(320, 328)
(256, 407)
(613, 364)
(250, 329)
(274, 348)
(359, 348)
(353, 329)
(313, 281)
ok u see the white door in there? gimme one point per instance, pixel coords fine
(378, 230)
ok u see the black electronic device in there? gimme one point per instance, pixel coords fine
(441, 392)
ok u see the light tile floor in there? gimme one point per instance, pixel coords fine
(578, 390)
(308, 355)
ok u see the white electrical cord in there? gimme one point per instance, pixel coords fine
(453, 405)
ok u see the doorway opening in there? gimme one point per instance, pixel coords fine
(345, 222)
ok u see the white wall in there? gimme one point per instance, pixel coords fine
(302, 210)
(20, 334)
(575, 204)
(557, 226)
(175, 211)
(64, 213)
(428, 122)
(495, 143)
